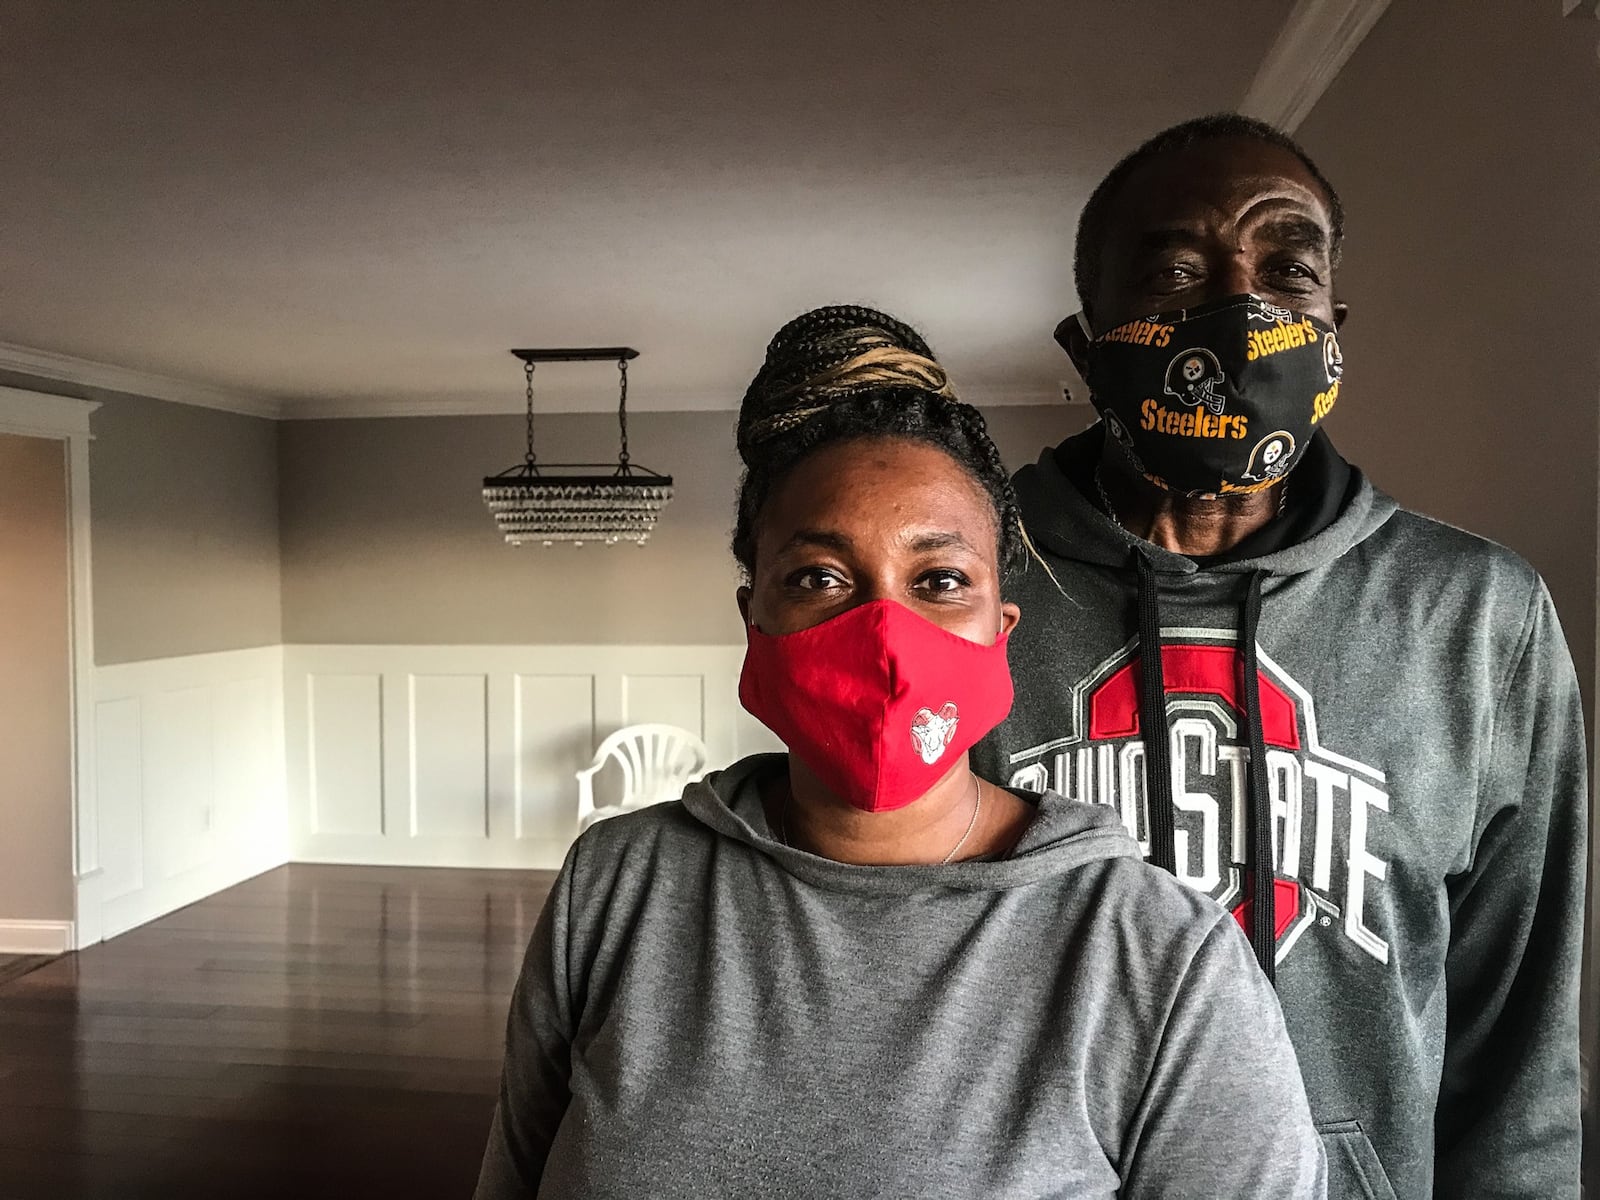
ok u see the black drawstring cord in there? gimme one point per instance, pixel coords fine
(1158, 759)
(1153, 721)
(1263, 896)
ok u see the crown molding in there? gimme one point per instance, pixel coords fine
(372, 407)
(83, 372)
(1316, 41)
(40, 414)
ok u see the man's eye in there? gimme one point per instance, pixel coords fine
(1298, 272)
(943, 581)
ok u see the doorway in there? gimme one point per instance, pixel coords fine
(37, 882)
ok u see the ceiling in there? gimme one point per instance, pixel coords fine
(358, 207)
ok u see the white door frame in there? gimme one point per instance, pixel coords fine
(62, 418)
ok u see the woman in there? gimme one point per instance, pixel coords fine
(857, 969)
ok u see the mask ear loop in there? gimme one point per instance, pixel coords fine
(1063, 329)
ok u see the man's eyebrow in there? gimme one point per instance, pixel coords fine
(1154, 241)
(1295, 233)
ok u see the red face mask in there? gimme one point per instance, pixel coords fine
(878, 702)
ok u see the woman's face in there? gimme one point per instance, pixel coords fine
(878, 519)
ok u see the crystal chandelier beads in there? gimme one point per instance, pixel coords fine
(574, 502)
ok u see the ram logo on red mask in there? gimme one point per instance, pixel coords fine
(931, 731)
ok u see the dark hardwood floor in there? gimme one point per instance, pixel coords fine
(14, 966)
(315, 1031)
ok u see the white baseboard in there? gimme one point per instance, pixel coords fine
(35, 937)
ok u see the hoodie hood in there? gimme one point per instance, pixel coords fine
(1064, 835)
(1062, 520)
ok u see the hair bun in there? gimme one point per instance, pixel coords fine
(827, 355)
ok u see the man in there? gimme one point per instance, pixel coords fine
(1381, 706)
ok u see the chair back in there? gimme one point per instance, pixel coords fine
(657, 763)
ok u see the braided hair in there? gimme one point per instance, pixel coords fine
(846, 372)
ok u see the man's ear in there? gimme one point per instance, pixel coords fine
(742, 596)
(1071, 338)
(1341, 310)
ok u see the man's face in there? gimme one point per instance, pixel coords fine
(1218, 219)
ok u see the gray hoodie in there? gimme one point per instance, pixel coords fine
(705, 1012)
(1425, 792)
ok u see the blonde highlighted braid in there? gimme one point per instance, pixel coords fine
(846, 372)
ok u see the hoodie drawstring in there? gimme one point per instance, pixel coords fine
(1158, 758)
(1263, 871)
(1153, 720)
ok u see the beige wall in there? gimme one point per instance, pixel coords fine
(185, 526)
(1465, 141)
(386, 540)
(36, 880)
(185, 510)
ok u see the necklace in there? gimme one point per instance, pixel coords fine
(1111, 511)
(977, 807)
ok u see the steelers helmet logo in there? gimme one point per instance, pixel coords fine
(1270, 459)
(1194, 378)
(1332, 357)
(1272, 314)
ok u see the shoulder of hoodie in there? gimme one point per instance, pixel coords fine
(1166, 908)
(602, 850)
(1431, 545)
(1153, 917)
(1135, 896)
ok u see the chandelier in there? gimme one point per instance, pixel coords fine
(575, 502)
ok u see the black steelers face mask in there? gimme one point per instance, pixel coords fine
(1215, 400)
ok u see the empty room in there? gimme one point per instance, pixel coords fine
(674, 600)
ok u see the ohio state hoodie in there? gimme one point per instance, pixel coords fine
(1418, 774)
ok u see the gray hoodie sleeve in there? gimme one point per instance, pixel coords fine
(1507, 1123)
(534, 1080)
(1224, 1112)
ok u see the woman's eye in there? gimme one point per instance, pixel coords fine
(943, 581)
(815, 579)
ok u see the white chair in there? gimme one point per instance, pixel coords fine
(657, 762)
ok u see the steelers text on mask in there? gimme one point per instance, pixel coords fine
(1154, 416)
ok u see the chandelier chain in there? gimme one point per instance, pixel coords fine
(622, 413)
(528, 370)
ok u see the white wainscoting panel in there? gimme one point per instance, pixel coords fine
(552, 739)
(465, 755)
(189, 793)
(343, 726)
(670, 699)
(448, 782)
